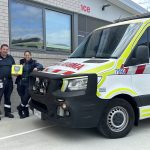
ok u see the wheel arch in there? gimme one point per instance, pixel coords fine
(131, 100)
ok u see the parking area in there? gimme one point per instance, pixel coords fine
(34, 134)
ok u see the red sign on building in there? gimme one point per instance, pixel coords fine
(85, 8)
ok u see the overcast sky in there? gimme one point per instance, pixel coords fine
(143, 3)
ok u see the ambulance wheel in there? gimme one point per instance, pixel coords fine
(117, 119)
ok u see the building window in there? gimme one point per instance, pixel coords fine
(58, 31)
(37, 27)
(26, 26)
(88, 24)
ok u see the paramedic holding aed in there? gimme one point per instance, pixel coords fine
(22, 82)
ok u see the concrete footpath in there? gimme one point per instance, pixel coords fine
(34, 134)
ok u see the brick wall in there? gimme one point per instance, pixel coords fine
(45, 59)
(4, 33)
(72, 5)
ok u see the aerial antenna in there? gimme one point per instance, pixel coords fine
(117, 19)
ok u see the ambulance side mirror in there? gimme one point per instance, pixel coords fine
(142, 54)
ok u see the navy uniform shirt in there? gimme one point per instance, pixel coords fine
(27, 69)
(29, 66)
(5, 66)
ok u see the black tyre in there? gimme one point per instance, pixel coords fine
(117, 120)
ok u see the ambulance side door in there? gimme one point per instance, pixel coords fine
(140, 69)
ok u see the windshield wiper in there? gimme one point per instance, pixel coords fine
(96, 57)
(76, 57)
(107, 57)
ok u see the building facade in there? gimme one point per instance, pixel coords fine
(52, 29)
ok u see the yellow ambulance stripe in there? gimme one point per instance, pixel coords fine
(145, 110)
(100, 68)
(99, 85)
(101, 82)
(147, 115)
(64, 85)
(122, 90)
(104, 76)
(98, 94)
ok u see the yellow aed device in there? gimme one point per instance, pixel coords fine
(17, 69)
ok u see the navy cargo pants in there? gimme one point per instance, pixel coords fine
(6, 88)
(23, 91)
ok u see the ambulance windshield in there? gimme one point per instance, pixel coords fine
(106, 42)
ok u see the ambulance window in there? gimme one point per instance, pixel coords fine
(107, 42)
(142, 41)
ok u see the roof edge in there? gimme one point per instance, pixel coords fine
(129, 6)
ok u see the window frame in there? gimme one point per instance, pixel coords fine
(44, 7)
(45, 28)
(83, 32)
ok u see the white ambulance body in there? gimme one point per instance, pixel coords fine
(105, 83)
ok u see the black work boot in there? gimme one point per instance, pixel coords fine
(20, 111)
(8, 112)
(9, 115)
(26, 112)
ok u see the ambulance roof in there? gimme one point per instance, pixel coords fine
(142, 20)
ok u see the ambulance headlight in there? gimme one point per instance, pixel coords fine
(77, 84)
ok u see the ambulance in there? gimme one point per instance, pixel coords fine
(105, 83)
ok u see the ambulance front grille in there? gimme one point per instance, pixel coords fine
(43, 86)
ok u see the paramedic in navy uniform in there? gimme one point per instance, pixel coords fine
(6, 82)
(22, 82)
